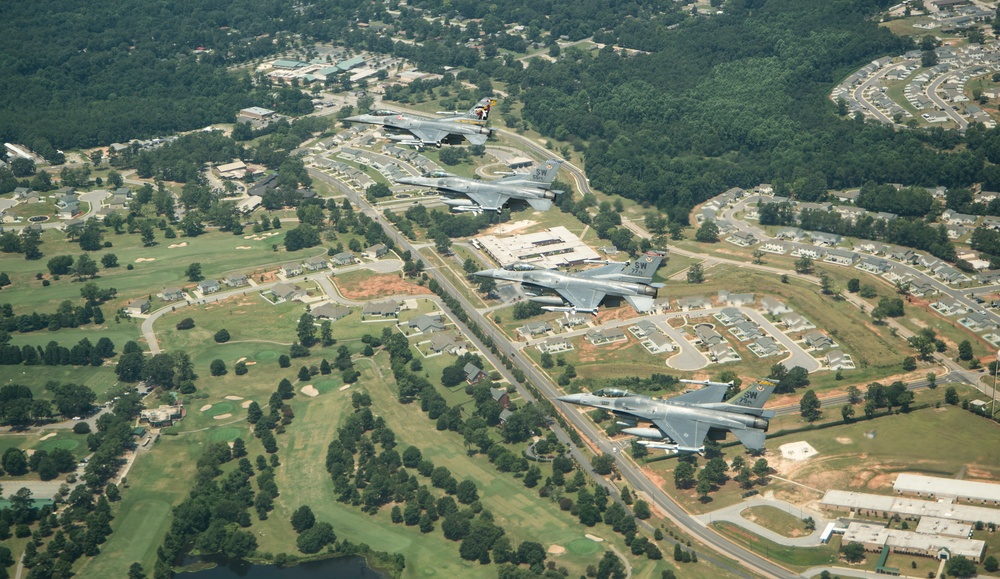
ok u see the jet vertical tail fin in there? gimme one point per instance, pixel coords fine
(641, 270)
(481, 112)
(755, 396)
(546, 172)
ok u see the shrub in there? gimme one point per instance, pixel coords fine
(81, 428)
(185, 324)
(222, 336)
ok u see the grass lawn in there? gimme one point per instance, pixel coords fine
(775, 520)
(795, 557)
(215, 251)
(101, 380)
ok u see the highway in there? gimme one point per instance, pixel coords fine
(628, 469)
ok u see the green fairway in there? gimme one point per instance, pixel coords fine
(266, 356)
(101, 380)
(583, 547)
(59, 442)
(224, 434)
(220, 408)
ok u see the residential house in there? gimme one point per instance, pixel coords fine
(794, 322)
(287, 292)
(536, 328)
(315, 264)
(607, 336)
(841, 257)
(838, 360)
(792, 234)
(988, 277)
(473, 373)
(554, 345)
(874, 265)
(774, 247)
(729, 316)
(949, 307)
(384, 309)
(343, 258)
(172, 294)
(809, 251)
(707, 335)
(500, 396)
(137, 307)
(427, 323)
(825, 239)
(446, 342)
(735, 299)
(643, 328)
(330, 311)
(746, 330)
(956, 218)
(292, 270)
(978, 322)
(949, 275)
(766, 346)
(692, 303)
(903, 255)
(571, 320)
(774, 306)
(208, 286)
(657, 343)
(723, 353)
(742, 239)
(237, 280)
(819, 341)
(376, 251)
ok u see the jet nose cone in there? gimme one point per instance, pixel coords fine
(358, 119)
(571, 398)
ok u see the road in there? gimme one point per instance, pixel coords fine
(932, 94)
(859, 94)
(628, 469)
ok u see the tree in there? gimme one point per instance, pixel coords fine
(991, 564)
(85, 267)
(254, 413)
(708, 232)
(847, 412)
(951, 395)
(60, 264)
(965, 350)
(185, 324)
(218, 367)
(193, 272)
(684, 475)
(147, 235)
(641, 509)
(603, 464)
(109, 260)
(306, 330)
(704, 488)
(695, 274)
(303, 519)
(466, 492)
(959, 566)
(284, 361)
(809, 406)
(909, 363)
(803, 265)
(222, 336)
(304, 374)
(854, 285)
(854, 552)
(4, 279)
(611, 567)
(761, 468)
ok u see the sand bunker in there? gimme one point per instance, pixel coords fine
(797, 450)
(594, 538)
(181, 244)
(310, 391)
(206, 407)
(344, 387)
(48, 436)
(556, 549)
(221, 416)
(251, 363)
(243, 359)
(843, 440)
(234, 397)
(243, 247)
(142, 259)
(246, 403)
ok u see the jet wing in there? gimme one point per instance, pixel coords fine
(642, 304)
(477, 138)
(490, 201)
(683, 431)
(706, 395)
(751, 438)
(583, 298)
(428, 135)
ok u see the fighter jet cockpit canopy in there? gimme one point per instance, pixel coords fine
(438, 174)
(522, 266)
(610, 393)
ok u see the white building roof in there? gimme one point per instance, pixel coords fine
(946, 487)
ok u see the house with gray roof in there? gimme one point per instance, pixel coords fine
(707, 335)
(208, 286)
(825, 239)
(874, 265)
(809, 251)
(570, 321)
(841, 257)
(237, 280)
(554, 345)
(795, 322)
(731, 299)
(606, 336)
(819, 341)
(383, 309)
(287, 292)
(473, 373)
(692, 303)
(137, 307)
(729, 316)
(723, 354)
(791, 234)
(535, 328)
(742, 239)
(978, 322)
(172, 294)
(376, 251)
(657, 343)
(746, 330)
(315, 263)
(838, 360)
(948, 306)
(774, 306)
(343, 258)
(446, 342)
(765, 346)
(330, 311)
(291, 270)
(427, 323)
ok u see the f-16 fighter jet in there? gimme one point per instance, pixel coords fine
(681, 423)
(583, 292)
(533, 188)
(419, 131)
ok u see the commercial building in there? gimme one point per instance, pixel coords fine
(553, 247)
(934, 487)
(865, 504)
(874, 537)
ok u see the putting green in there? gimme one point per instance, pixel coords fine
(220, 408)
(326, 385)
(224, 434)
(583, 547)
(265, 356)
(52, 444)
